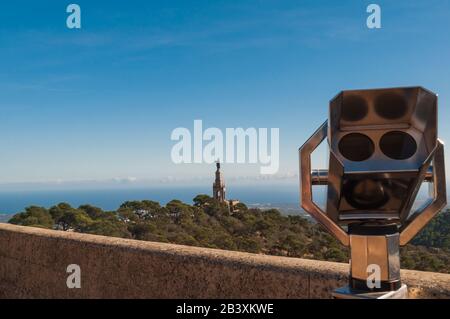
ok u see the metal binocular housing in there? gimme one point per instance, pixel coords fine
(382, 146)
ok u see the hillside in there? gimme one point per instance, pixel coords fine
(208, 223)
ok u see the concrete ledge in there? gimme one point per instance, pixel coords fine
(33, 264)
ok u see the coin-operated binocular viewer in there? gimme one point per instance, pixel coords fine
(382, 146)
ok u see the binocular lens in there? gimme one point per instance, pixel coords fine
(391, 106)
(356, 147)
(398, 145)
(354, 108)
(365, 194)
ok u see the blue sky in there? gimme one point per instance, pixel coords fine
(100, 103)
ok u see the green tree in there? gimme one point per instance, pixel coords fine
(145, 209)
(108, 227)
(75, 219)
(202, 200)
(127, 215)
(33, 216)
(68, 218)
(92, 211)
(58, 210)
(141, 230)
(436, 233)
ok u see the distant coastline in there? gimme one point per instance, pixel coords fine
(5, 217)
(285, 198)
(14, 201)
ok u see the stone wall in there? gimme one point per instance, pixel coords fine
(33, 264)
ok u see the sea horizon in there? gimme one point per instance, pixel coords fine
(16, 200)
(283, 196)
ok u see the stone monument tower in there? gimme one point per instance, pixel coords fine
(219, 185)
